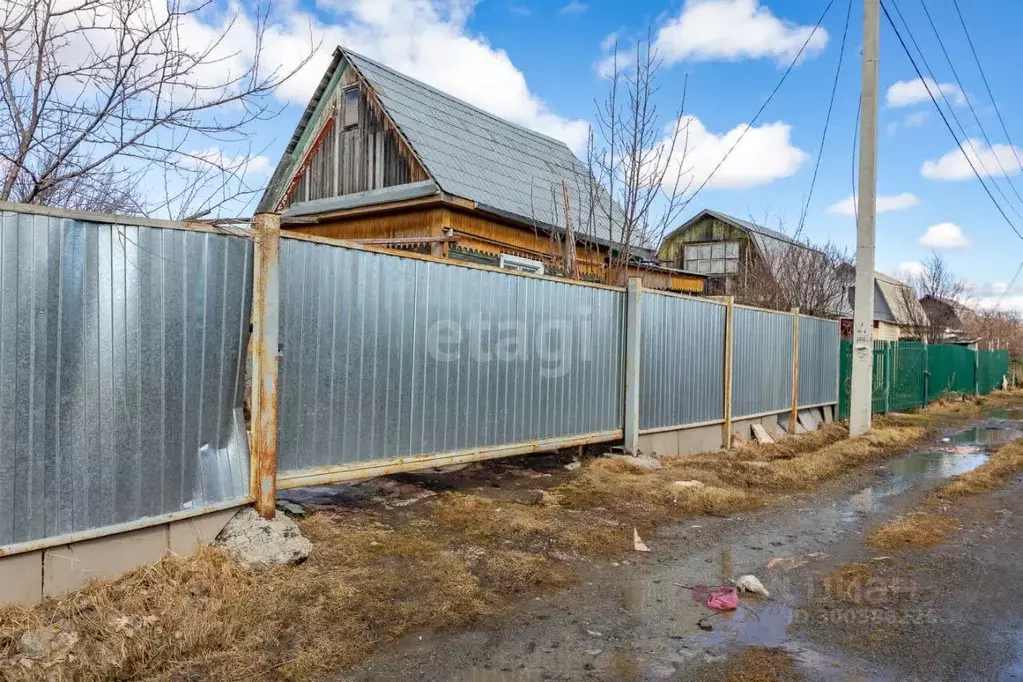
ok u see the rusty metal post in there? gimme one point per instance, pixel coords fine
(633, 293)
(726, 427)
(794, 414)
(266, 229)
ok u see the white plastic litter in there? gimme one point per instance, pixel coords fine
(750, 583)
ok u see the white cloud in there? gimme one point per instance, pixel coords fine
(766, 153)
(911, 92)
(944, 236)
(615, 55)
(893, 202)
(913, 120)
(732, 30)
(428, 40)
(907, 270)
(955, 165)
(574, 7)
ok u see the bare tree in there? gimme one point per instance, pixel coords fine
(936, 301)
(795, 275)
(638, 178)
(99, 93)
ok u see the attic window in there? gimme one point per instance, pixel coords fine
(350, 109)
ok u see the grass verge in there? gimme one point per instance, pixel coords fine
(370, 580)
(991, 475)
(915, 530)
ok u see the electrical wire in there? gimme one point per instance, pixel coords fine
(944, 118)
(1008, 288)
(969, 102)
(987, 85)
(827, 119)
(951, 110)
(763, 106)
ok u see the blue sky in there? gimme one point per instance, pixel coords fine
(535, 62)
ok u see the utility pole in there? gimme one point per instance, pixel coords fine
(863, 312)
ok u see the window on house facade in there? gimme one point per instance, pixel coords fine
(521, 264)
(716, 258)
(350, 112)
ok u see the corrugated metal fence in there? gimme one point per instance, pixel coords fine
(386, 357)
(683, 361)
(763, 345)
(122, 367)
(818, 361)
(121, 372)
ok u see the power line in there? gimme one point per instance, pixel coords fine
(827, 118)
(969, 103)
(944, 118)
(763, 106)
(951, 110)
(1009, 288)
(987, 85)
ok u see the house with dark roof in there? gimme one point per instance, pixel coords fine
(898, 313)
(383, 159)
(724, 248)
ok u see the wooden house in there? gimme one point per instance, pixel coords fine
(383, 159)
(723, 248)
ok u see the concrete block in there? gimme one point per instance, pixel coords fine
(829, 413)
(188, 535)
(699, 439)
(760, 433)
(21, 578)
(646, 443)
(68, 567)
(665, 443)
(808, 420)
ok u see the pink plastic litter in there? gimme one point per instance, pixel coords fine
(724, 598)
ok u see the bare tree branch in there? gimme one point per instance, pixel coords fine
(97, 93)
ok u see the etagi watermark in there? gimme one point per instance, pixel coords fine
(553, 344)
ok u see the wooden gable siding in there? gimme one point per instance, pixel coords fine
(483, 239)
(709, 229)
(368, 156)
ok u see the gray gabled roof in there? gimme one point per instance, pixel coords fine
(503, 167)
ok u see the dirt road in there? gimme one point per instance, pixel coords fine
(951, 612)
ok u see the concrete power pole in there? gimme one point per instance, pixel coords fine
(863, 314)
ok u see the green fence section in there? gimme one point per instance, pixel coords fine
(992, 366)
(910, 374)
(953, 369)
(908, 386)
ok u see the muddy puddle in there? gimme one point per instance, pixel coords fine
(764, 623)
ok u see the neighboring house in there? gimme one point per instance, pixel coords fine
(946, 318)
(723, 248)
(897, 312)
(383, 159)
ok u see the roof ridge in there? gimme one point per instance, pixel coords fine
(352, 53)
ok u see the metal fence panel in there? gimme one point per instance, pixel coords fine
(121, 373)
(762, 344)
(682, 361)
(385, 357)
(818, 361)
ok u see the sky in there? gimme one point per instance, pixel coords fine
(540, 63)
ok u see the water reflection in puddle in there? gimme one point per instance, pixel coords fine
(763, 624)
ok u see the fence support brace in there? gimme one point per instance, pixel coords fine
(266, 228)
(633, 294)
(726, 427)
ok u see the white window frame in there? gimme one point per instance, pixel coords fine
(520, 264)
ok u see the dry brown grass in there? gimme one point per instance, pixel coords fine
(991, 475)
(757, 664)
(367, 583)
(915, 530)
(203, 617)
